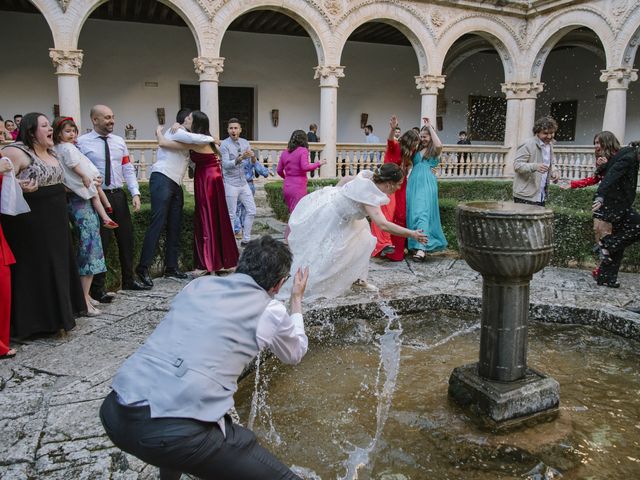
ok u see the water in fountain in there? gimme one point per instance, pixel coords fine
(390, 344)
(327, 403)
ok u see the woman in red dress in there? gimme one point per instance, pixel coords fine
(6, 259)
(399, 152)
(215, 245)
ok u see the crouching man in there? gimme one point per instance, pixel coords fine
(170, 398)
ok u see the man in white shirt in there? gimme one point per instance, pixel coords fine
(370, 137)
(167, 200)
(109, 153)
(170, 399)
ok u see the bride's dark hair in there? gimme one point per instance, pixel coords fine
(388, 172)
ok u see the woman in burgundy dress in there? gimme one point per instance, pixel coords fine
(214, 243)
(293, 167)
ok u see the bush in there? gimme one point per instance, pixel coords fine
(141, 221)
(573, 226)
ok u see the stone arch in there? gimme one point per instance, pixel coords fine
(495, 32)
(406, 22)
(299, 10)
(560, 25)
(630, 40)
(79, 11)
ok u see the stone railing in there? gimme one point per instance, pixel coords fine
(574, 161)
(457, 161)
(479, 161)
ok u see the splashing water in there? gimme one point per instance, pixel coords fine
(390, 344)
(259, 405)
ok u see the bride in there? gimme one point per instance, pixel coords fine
(331, 236)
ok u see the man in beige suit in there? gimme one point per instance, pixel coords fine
(533, 164)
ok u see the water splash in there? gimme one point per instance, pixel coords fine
(447, 339)
(260, 407)
(390, 343)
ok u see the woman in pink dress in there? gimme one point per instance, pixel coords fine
(215, 245)
(293, 167)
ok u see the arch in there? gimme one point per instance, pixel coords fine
(495, 32)
(299, 10)
(630, 39)
(461, 51)
(560, 25)
(405, 21)
(80, 10)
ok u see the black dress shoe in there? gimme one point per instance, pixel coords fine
(244, 244)
(609, 284)
(135, 285)
(103, 297)
(143, 275)
(174, 273)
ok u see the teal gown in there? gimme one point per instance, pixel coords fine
(423, 212)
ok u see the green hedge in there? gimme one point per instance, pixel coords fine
(141, 221)
(573, 225)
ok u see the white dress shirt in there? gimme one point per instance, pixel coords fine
(122, 170)
(546, 159)
(173, 163)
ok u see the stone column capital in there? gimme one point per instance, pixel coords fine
(619, 78)
(67, 62)
(209, 68)
(522, 90)
(430, 84)
(328, 75)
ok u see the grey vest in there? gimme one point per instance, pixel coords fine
(189, 366)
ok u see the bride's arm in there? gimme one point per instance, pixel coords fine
(385, 225)
(344, 180)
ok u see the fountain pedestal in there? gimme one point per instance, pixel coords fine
(507, 243)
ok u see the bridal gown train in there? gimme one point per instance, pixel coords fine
(330, 235)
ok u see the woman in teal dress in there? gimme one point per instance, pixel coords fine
(423, 211)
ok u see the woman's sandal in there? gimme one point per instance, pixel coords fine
(10, 354)
(419, 255)
(109, 224)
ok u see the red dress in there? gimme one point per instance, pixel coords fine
(6, 259)
(214, 243)
(395, 211)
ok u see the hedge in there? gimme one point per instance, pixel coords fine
(573, 225)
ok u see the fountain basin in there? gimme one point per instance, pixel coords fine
(316, 413)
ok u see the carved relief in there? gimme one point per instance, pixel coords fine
(64, 4)
(430, 84)
(333, 7)
(67, 62)
(329, 74)
(619, 77)
(437, 18)
(522, 90)
(619, 7)
(209, 68)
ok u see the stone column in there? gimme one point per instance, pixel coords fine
(521, 112)
(429, 86)
(68, 64)
(615, 110)
(329, 75)
(209, 70)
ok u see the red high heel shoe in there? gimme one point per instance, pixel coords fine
(110, 224)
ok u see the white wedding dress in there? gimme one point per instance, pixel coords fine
(330, 235)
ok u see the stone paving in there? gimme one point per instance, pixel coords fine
(51, 391)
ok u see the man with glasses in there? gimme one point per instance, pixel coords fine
(170, 399)
(235, 151)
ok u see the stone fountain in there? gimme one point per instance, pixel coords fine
(507, 243)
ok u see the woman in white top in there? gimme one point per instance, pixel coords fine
(84, 205)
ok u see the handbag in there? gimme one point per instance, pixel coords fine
(12, 200)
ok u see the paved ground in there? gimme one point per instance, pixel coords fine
(51, 391)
